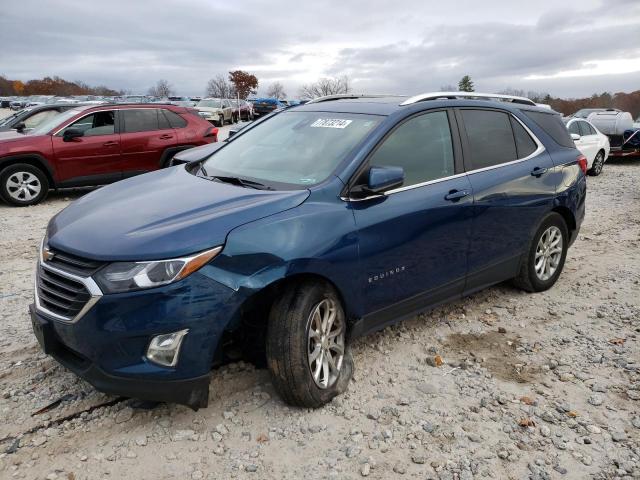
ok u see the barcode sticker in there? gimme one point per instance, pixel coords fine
(331, 123)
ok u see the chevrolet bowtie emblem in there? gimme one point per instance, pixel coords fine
(47, 255)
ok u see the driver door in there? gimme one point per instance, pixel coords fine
(414, 240)
(93, 158)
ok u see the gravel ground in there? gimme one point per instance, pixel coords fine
(531, 386)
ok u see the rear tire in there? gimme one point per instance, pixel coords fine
(598, 164)
(23, 184)
(297, 342)
(545, 256)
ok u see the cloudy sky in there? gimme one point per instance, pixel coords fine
(567, 47)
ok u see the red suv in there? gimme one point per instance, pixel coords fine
(95, 145)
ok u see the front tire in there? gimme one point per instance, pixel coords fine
(545, 256)
(221, 121)
(598, 164)
(23, 184)
(306, 345)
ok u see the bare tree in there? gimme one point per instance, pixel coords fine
(448, 88)
(161, 89)
(276, 90)
(220, 87)
(326, 86)
(539, 97)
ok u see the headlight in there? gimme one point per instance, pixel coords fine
(127, 276)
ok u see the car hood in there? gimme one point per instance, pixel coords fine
(11, 135)
(164, 214)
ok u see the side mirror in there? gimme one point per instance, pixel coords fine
(575, 136)
(20, 127)
(72, 133)
(384, 178)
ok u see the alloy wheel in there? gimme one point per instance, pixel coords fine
(23, 186)
(548, 253)
(325, 343)
(598, 164)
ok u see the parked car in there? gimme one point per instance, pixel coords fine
(303, 232)
(95, 145)
(592, 143)
(216, 110)
(244, 111)
(263, 106)
(18, 104)
(28, 118)
(5, 102)
(585, 112)
(618, 127)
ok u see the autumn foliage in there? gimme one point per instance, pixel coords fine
(627, 102)
(243, 82)
(50, 86)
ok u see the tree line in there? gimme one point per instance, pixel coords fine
(51, 86)
(241, 83)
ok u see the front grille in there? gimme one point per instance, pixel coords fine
(60, 294)
(82, 267)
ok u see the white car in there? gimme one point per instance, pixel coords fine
(216, 110)
(592, 143)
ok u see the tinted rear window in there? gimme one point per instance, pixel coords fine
(524, 143)
(490, 138)
(552, 124)
(175, 120)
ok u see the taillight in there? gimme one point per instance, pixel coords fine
(212, 132)
(582, 163)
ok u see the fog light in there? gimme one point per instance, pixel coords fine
(165, 349)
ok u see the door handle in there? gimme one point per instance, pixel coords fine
(109, 144)
(536, 172)
(455, 195)
(165, 136)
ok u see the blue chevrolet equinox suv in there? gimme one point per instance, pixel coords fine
(309, 228)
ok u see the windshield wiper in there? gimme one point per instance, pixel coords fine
(242, 182)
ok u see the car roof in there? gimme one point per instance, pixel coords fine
(389, 104)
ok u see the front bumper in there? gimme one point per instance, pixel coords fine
(193, 392)
(107, 346)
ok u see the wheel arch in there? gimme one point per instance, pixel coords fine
(264, 297)
(568, 217)
(33, 159)
(169, 153)
(248, 326)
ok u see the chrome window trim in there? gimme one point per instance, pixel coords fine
(540, 148)
(88, 282)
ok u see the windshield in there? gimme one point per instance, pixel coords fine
(294, 148)
(53, 122)
(209, 103)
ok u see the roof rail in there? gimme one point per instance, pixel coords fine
(340, 96)
(454, 95)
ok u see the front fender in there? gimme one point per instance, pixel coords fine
(316, 238)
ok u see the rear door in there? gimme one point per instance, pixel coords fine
(589, 141)
(413, 241)
(146, 134)
(93, 158)
(513, 188)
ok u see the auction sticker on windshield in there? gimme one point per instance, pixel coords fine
(331, 123)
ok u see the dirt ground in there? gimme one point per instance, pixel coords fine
(541, 386)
